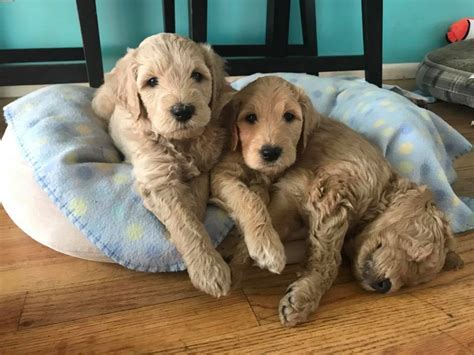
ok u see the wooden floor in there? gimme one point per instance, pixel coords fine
(54, 303)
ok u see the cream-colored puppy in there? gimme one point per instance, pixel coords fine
(163, 103)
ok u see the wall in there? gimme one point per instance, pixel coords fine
(411, 27)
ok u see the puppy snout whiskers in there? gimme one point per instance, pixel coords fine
(270, 153)
(182, 112)
(382, 286)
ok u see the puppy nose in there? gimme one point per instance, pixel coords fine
(270, 152)
(182, 112)
(382, 286)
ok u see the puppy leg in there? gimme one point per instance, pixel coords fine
(328, 212)
(250, 213)
(200, 189)
(174, 206)
(284, 210)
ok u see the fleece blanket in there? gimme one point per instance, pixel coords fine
(75, 162)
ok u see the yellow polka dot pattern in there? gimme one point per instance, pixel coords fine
(330, 90)
(121, 179)
(134, 231)
(442, 176)
(345, 117)
(78, 206)
(378, 123)
(405, 166)
(406, 148)
(425, 115)
(387, 132)
(41, 141)
(456, 201)
(365, 108)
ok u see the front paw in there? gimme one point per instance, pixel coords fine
(268, 252)
(210, 274)
(297, 304)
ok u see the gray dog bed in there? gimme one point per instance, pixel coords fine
(448, 73)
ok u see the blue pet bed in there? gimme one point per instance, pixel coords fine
(75, 162)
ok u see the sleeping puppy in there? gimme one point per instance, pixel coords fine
(162, 102)
(318, 174)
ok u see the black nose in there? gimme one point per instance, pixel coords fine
(382, 286)
(270, 152)
(182, 112)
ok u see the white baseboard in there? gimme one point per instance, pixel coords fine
(390, 72)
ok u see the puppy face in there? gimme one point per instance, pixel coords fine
(272, 121)
(407, 245)
(171, 82)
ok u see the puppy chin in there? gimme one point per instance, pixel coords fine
(172, 130)
(184, 133)
(269, 169)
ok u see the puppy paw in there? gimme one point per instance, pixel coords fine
(296, 305)
(211, 275)
(268, 252)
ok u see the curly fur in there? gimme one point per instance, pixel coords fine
(338, 185)
(171, 160)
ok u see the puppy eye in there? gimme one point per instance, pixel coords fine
(379, 246)
(288, 117)
(152, 82)
(252, 118)
(197, 76)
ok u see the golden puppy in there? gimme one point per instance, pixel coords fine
(163, 103)
(329, 179)
(406, 244)
(268, 134)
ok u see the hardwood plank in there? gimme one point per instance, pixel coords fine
(11, 307)
(83, 301)
(17, 249)
(264, 291)
(387, 323)
(145, 329)
(56, 275)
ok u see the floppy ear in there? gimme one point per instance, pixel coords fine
(215, 65)
(453, 261)
(419, 250)
(433, 233)
(125, 73)
(310, 118)
(229, 114)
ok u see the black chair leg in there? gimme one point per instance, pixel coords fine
(372, 15)
(308, 24)
(169, 16)
(91, 41)
(197, 20)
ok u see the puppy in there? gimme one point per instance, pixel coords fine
(405, 245)
(162, 102)
(327, 178)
